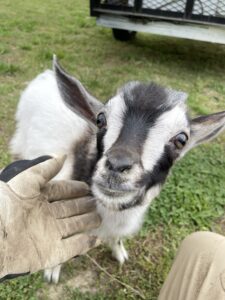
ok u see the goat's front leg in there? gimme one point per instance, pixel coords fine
(118, 250)
(52, 275)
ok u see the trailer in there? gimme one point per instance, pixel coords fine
(202, 20)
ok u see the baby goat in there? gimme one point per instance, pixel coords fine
(124, 148)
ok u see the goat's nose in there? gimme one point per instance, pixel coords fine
(119, 163)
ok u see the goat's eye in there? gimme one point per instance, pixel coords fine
(101, 120)
(180, 140)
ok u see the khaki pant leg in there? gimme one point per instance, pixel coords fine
(198, 272)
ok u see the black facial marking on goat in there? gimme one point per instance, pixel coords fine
(160, 171)
(83, 168)
(100, 147)
(150, 98)
(144, 105)
(85, 161)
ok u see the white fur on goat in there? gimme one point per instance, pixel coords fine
(45, 124)
(142, 131)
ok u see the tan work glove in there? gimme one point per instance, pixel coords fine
(38, 231)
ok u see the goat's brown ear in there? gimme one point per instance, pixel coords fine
(205, 128)
(75, 95)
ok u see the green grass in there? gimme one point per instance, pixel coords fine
(193, 197)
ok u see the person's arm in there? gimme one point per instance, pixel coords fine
(42, 222)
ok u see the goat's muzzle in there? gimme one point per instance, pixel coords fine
(119, 160)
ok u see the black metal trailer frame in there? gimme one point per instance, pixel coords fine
(195, 12)
(183, 10)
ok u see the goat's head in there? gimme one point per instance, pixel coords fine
(140, 132)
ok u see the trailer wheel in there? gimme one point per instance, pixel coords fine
(123, 35)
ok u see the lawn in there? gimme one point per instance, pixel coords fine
(194, 196)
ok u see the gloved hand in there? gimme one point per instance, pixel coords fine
(38, 231)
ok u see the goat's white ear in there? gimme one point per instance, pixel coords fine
(75, 95)
(205, 128)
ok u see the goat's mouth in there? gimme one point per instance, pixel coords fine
(118, 192)
(113, 190)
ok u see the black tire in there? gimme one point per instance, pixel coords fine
(123, 35)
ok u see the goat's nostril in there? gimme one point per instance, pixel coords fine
(124, 169)
(119, 164)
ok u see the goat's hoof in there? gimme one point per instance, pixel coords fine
(120, 254)
(52, 275)
(48, 275)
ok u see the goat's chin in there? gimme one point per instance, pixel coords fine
(113, 199)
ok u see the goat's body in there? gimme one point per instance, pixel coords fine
(44, 126)
(124, 148)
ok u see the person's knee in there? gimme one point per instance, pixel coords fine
(201, 241)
